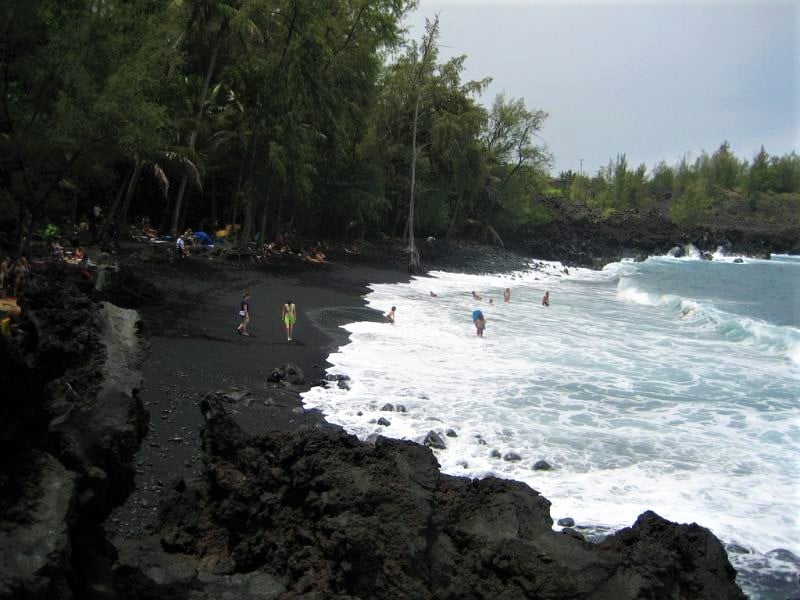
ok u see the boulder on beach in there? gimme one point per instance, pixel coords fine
(676, 252)
(289, 373)
(434, 440)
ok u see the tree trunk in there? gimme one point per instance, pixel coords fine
(452, 229)
(262, 233)
(112, 210)
(193, 137)
(247, 226)
(249, 216)
(126, 205)
(237, 193)
(213, 201)
(413, 252)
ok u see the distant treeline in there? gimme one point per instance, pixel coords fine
(283, 116)
(688, 189)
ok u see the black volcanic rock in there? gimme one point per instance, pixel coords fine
(331, 517)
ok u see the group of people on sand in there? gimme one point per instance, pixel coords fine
(288, 316)
(13, 276)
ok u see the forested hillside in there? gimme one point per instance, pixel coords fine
(321, 119)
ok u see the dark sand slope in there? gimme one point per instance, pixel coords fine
(196, 350)
(270, 502)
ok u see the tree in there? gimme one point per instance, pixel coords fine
(661, 180)
(77, 94)
(693, 204)
(785, 173)
(431, 34)
(758, 177)
(516, 167)
(725, 167)
(624, 188)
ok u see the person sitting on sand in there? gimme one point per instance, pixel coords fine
(391, 315)
(289, 318)
(475, 296)
(21, 270)
(5, 276)
(314, 255)
(480, 321)
(56, 251)
(546, 299)
(244, 313)
(9, 316)
(507, 295)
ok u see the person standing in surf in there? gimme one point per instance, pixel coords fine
(289, 318)
(391, 315)
(507, 295)
(480, 322)
(244, 314)
(546, 299)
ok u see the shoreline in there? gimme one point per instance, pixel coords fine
(194, 328)
(164, 527)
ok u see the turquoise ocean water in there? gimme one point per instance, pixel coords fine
(670, 384)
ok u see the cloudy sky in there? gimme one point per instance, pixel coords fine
(651, 79)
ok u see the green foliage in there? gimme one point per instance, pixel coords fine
(693, 204)
(785, 173)
(51, 232)
(725, 168)
(580, 191)
(295, 115)
(623, 188)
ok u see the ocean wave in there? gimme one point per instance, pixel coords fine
(784, 339)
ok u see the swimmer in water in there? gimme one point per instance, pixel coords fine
(480, 322)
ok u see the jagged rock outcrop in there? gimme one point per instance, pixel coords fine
(70, 425)
(580, 235)
(331, 517)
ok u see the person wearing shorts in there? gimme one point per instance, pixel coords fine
(480, 322)
(289, 318)
(244, 314)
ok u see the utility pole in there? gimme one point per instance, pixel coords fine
(580, 159)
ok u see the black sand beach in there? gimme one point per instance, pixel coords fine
(195, 350)
(211, 480)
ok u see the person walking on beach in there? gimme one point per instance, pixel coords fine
(289, 318)
(391, 314)
(546, 299)
(480, 321)
(244, 313)
(507, 295)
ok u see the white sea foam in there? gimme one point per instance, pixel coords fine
(734, 328)
(634, 406)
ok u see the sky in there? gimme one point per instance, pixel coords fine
(652, 79)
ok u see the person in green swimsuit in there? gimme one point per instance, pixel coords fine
(289, 317)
